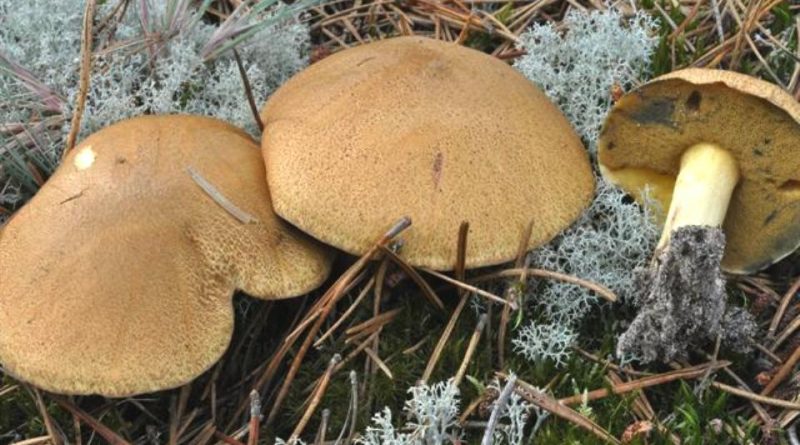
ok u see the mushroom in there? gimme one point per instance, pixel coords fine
(117, 277)
(719, 150)
(431, 130)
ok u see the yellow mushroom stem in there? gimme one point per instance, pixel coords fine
(702, 191)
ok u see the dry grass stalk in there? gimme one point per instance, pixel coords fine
(105, 432)
(472, 407)
(768, 354)
(248, 91)
(610, 365)
(380, 363)
(461, 255)
(784, 372)
(781, 311)
(375, 322)
(347, 313)
(226, 439)
(49, 423)
(331, 297)
(600, 290)
(512, 292)
(786, 333)
(323, 427)
(315, 399)
(85, 74)
(645, 411)
(426, 289)
(354, 353)
(439, 348)
(492, 297)
(316, 310)
(473, 344)
(749, 395)
(363, 334)
(762, 413)
(8, 389)
(34, 441)
(542, 400)
(341, 24)
(646, 382)
(176, 414)
(276, 359)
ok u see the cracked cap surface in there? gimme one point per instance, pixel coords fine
(431, 130)
(648, 130)
(117, 277)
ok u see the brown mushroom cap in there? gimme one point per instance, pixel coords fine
(117, 277)
(430, 130)
(757, 122)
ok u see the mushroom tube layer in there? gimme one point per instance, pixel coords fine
(117, 277)
(749, 132)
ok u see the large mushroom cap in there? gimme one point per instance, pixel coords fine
(430, 130)
(648, 131)
(117, 277)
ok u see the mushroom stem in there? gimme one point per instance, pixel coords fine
(702, 192)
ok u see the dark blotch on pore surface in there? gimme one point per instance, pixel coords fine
(681, 299)
(693, 102)
(654, 111)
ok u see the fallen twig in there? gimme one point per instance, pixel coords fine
(473, 343)
(499, 405)
(542, 400)
(248, 91)
(49, 424)
(104, 431)
(315, 399)
(755, 397)
(596, 288)
(255, 418)
(85, 74)
(646, 382)
(331, 297)
(471, 288)
(512, 292)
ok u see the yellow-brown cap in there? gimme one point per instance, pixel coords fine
(757, 122)
(431, 130)
(117, 277)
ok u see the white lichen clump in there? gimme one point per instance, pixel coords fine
(514, 417)
(579, 68)
(157, 62)
(538, 342)
(432, 419)
(606, 244)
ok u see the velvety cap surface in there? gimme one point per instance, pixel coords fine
(117, 277)
(430, 130)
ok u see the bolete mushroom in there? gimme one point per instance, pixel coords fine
(117, 277)
(431, 130)
(718, 150)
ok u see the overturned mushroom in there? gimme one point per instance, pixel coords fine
(719, 150)
(117, 277)
(427, 129)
